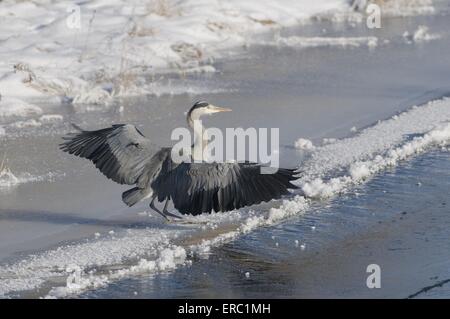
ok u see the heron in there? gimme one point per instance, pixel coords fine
(124, 155)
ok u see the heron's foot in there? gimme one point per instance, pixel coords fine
(152, 206)
(167, 213)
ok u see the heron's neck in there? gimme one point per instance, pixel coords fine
(200, 139)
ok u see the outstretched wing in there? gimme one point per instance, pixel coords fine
(197, 188)
(120, 152)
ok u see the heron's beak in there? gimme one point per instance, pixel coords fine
(217, 109)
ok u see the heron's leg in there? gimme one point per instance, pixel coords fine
(166, 212)
(152, 206)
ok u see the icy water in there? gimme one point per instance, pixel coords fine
(311, 93)
(399, 220)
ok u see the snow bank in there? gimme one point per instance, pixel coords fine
(100, 49)
(361, 170)
(76, 262)
(80, 280)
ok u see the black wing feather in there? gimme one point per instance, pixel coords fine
(120, 152)
(202, 187)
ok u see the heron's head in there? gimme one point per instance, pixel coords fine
(201, 108)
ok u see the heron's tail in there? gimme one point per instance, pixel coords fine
(134, 195)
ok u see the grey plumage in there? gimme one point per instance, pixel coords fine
(120, 152)
(202, 187)
(135, 195)
(124, 155)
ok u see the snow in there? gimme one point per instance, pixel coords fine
(92, 52)
(80, 280)
(398, 8)
(36, 269)
(328, 140)
(422, 34)
(26, 123)
(404, 8)
(8, 179)
(101, 49)
(317, 188)
(359, 171)
(303, 144)
(51, 118)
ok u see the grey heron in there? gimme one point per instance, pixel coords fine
(123, 154)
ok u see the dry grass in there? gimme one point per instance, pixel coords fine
(4, 166)
(23, 67)
(263, 21)
(138, 31)
(217, 26)
(163, 8)
(126, 78)
(187, 51)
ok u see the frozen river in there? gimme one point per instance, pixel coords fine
(66, 220)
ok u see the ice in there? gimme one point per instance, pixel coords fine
(328, 140)
(398, 8)
(36, 269)
(422, 34)
(27, 123)
(8, 179)
(303, 144)
(359, 171)
(313, 42)
(404, 8)
(170, 257)
(51, 118)
(13, 107)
